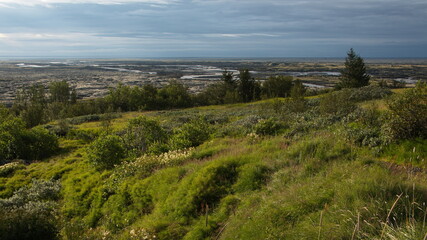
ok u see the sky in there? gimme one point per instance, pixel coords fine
(212, 28)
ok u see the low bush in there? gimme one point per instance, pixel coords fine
(31, 212)
(144, 135)
(191, 134)
(363, 135)
(337, 103)
(407, 116)
(16, 142)
(106, 152)
(240, 127)
(40, 144)
(9, 168)
(268, 126)
(366, 93)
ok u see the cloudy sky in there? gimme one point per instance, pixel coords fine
(212, 28)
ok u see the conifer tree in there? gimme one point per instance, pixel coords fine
(248, 89)
(354, 74)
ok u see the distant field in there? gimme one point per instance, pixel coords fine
(93, 78)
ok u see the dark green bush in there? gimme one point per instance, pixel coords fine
(16, 142)
(40, 144)
(191, 134)
(106, 151)
(11, 142)
(31, 212)
(407, 116)
(145, 135)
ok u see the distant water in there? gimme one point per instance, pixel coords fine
(31, 65)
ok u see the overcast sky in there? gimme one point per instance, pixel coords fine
(212, 28)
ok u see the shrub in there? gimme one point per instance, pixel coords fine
(174, 95)
(142, 135)
(40, 144)
(337, 103)
(191, 134)
(106, 151)
(268, 126)
(18, 142)
(368, 93)
(31, 212)
(407, 117)
(240, 127)
(9, 168)
(363, 135)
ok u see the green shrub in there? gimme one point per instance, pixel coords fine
(11, 142)
(363, 135)
(9, 168)
(337, 103)
(145, 135)
(106, 151)
(16, 142)
(240, 127)
(191, 134)
(268, 126)
(31, 212)
(407, 117)
(366, 93)
(40, 144)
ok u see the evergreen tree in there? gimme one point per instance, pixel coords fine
(297, 96)
(227, 78)
(354, 74)
(247, 89)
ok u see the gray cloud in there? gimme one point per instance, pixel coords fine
(150, 28)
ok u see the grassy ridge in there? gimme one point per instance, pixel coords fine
(306, 179)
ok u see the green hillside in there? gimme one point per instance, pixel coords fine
(345, 165)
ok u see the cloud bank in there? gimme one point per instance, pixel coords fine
(212, 28)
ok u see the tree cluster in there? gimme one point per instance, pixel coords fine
(38, 104)
(18, 142)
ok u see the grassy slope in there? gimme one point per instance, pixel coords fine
(310, 186)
